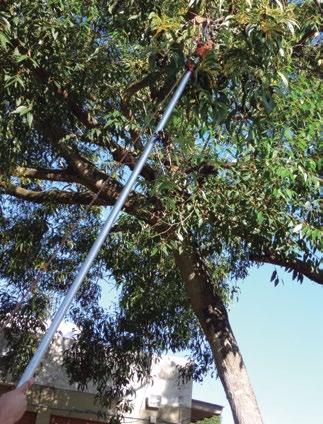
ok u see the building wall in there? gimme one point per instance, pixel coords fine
(46, 401)
(175, 398)
(52, 395)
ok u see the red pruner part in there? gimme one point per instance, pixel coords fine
(204, 48)
(190, 65)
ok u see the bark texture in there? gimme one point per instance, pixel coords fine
(212, 315)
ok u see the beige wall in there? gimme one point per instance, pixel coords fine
(47, 401)
(53, 395)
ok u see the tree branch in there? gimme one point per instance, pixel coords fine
(61, 175)
(89, 174)
(93, 179)
(133, 89)
(142, 208)
(85, 173)
(297, 49)
(297, 265)
(51, 196)
(124, 156)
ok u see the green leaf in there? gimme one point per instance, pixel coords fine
(290, 26)
(54, 34)
(30, 118)
(21, 110)
(273, 276)
(283, 78)
(3, 40)
(260, 218)
(154, 250)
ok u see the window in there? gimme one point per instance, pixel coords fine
(153, 402)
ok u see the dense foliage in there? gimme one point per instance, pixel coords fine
(212, 420)
(235, 175)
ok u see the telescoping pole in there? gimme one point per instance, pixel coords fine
(58, 317)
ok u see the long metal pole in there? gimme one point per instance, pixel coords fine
(43, 346)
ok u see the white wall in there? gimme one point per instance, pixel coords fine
(175, 397)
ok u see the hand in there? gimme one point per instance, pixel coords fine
(13, 404)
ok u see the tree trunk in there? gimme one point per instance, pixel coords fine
(212, 315)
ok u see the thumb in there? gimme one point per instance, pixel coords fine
(24, 387)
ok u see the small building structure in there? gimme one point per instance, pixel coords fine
(201, 410)
(162, 399)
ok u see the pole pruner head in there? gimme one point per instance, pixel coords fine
(201, 51)
(204, 48)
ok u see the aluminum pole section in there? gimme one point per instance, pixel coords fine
(43, 346)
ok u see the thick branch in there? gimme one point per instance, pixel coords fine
(81, 171)
(86, 172)
(297, 265)
(141, 207)
(90, 176)
(51, 196)
(297, 49)
(124, 156)
(61, 175)
(96, 180)
(133, 89)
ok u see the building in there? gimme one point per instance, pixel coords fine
(163, 399)
(201, 410)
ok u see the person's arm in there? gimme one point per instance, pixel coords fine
(13, 404)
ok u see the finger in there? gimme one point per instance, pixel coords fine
(24, 387)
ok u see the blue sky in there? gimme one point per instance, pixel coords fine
(280, 333)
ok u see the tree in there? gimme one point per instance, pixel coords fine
(232, 182)
(212, 420)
